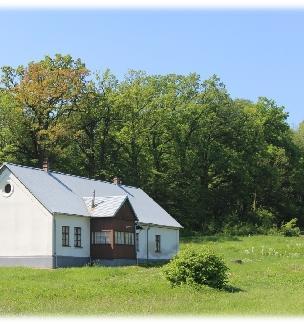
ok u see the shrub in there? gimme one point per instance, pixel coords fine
(265, 218)
(241, 229)
(290, 228)
(262, 221)
(198, 267)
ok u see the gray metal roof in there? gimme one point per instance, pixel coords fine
(63, 193)
(104, 206)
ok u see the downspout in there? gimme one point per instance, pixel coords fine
(135, 246)
(55, 239)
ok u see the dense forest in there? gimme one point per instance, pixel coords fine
(212, 162)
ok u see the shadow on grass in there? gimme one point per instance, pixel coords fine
(201, 288)
(209, 238)
(227, 288)
(153, 264)
(232, 289)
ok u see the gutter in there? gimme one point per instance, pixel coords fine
(55, 239)
(161, 226)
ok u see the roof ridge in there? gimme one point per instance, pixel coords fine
(90, 179)
(23, 166)
(87, 197)
(80, 177)
(66, 174)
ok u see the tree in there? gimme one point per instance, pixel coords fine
(46, 92)
(94, 127)
(209, 160)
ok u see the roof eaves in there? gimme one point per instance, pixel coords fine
(72, 214)
(158, 225)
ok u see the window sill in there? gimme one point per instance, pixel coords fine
(124, 244)
(66, 245)
(78, 247)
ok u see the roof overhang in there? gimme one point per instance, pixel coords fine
(161, 226)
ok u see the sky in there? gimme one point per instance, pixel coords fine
(254, 52)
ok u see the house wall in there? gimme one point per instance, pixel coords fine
(71, 255)
(123, 221)
(25, 227)
(169, 243)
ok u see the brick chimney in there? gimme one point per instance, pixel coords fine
(46, 165)
(117, 181)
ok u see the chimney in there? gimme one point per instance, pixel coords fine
(46, 165)
(93, 200)
(117, 181)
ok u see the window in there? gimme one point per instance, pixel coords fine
(119, 238)
(65, 236)
(77, 236)
(129, 238)
(137, 242)
(157, 243)
(8, 188)
(102, 237)
(126, 238)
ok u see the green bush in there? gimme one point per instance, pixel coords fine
(262, 221)
(265, 218)
(242, 229)
(290, 228)
(198, 267)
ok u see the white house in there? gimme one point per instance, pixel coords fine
(50, 219)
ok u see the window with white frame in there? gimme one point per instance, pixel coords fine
(119, 237)
(129, 238)
(126, 238)
(65, 235)
(77, 237)
(102, 237)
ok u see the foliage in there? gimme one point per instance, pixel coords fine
(197, 268)
(290, 228)
(45, 93)
(242, 229)
(262, 221)
(214, 163)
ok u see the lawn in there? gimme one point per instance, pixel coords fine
(269, 281)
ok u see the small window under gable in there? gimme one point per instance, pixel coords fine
(7, 189)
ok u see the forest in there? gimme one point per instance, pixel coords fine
(213, 162)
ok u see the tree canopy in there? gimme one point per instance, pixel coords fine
(210, 160)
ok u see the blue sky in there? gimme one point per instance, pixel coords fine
(255, 53)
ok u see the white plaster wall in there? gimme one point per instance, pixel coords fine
(73, 221)
(169, 242)
(25, 225)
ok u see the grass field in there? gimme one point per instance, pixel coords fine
(270, 281)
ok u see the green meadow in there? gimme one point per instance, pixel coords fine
(269, 280)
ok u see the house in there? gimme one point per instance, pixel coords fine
(50, 219)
